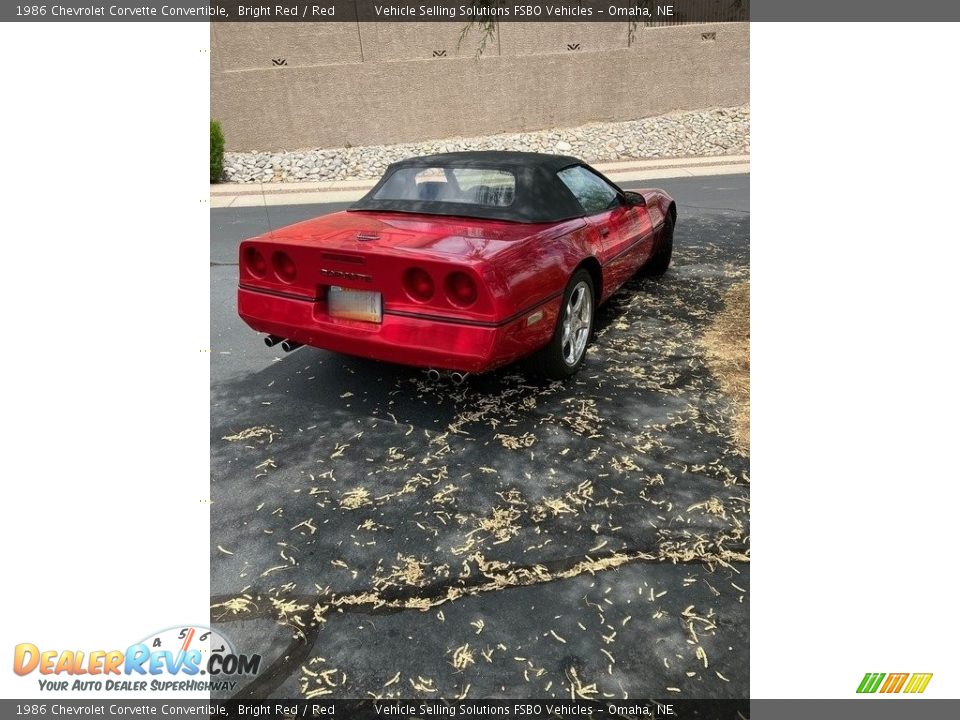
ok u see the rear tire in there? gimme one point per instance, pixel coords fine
(660, 261)
(568, 346)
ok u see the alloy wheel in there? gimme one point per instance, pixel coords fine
(577, 323)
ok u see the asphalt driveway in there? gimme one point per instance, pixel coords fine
(375, 533)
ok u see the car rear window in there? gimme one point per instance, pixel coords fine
(467, 186)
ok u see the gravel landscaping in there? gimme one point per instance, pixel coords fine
(714, 131)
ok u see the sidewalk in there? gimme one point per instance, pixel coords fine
(305, 193)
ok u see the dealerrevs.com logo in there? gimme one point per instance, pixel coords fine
(909, 683)
(181, 659)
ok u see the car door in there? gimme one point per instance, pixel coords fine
(638, 232)
(623, 231)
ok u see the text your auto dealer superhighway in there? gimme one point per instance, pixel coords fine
(135, 12)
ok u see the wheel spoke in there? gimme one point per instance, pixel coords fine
(578, 294)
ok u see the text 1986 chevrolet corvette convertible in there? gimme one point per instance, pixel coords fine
(463, 261)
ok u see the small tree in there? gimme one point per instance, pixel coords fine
(216, 151)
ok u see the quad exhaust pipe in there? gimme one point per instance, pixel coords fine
(290, 345)
(457, 378)
(271, 340)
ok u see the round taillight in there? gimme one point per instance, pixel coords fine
(254, 262)
(461, 289)
(418, 284)
(283, 266)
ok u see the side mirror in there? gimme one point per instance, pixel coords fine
(634, 199)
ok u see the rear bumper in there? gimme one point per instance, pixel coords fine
(398, 339)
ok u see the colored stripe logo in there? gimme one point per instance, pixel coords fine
(894, 682)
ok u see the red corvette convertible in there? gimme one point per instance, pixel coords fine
(461, 262)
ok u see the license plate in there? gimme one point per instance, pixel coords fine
(355, 304)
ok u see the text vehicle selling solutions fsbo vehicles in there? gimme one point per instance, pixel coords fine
(462, 261)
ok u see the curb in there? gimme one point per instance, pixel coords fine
(305, 193)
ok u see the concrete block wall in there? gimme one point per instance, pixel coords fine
(286, 86)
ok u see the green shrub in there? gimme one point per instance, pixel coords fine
(216, 151)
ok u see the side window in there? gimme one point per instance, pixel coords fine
(594, 194)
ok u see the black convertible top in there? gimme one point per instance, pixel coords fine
(537, 195)
(492, 159)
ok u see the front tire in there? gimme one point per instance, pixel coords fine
(568, 346)
(659, 263)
